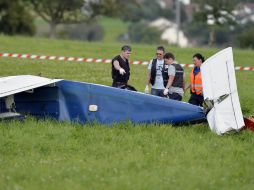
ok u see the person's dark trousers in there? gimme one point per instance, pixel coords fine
(175, 96)
(196, 99)
(157, 92)
(118, 84)
(123, 86)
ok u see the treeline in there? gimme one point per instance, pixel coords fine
(213, 22)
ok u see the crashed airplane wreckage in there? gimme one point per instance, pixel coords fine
(222, 104)
(84, 102)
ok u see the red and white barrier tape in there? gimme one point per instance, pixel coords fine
(91, 60)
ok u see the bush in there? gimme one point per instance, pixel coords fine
(246, 38)
(15, 19)
(85, 31)
(151, 10)
(223, 35)
(142, 33)
(199, 34)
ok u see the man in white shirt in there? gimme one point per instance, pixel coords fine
(154, 76)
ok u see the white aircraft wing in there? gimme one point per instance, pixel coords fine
(15, 84)
(219, 86)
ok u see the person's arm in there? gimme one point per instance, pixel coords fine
(148, 77)
(148, 81)
(184, 82)
(171, 77)
(170, 81)
(149, 73)
(117, 67)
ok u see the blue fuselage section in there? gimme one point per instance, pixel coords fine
(70, 101)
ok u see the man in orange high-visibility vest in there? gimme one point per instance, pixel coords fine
(196, 88)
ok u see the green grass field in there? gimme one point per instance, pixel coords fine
(113, 27)
(61, 155)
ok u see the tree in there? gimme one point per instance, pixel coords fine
(58, 11)
(215, 13)
(245, 39)
(15, 19)
(111, 8)
(148, 10)
(75, 11)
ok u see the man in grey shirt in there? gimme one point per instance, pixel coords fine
(174, 79)
(154, 76)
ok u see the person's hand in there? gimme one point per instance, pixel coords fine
(122, 71)
(165, 92)
(147, 89)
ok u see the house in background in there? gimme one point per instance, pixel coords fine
(169, 32)
(244, 13)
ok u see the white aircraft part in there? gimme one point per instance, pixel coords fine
(9, 102)
(7, 115)
(218, 78)
(15, 84)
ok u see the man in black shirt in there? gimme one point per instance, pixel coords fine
(121, 68)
